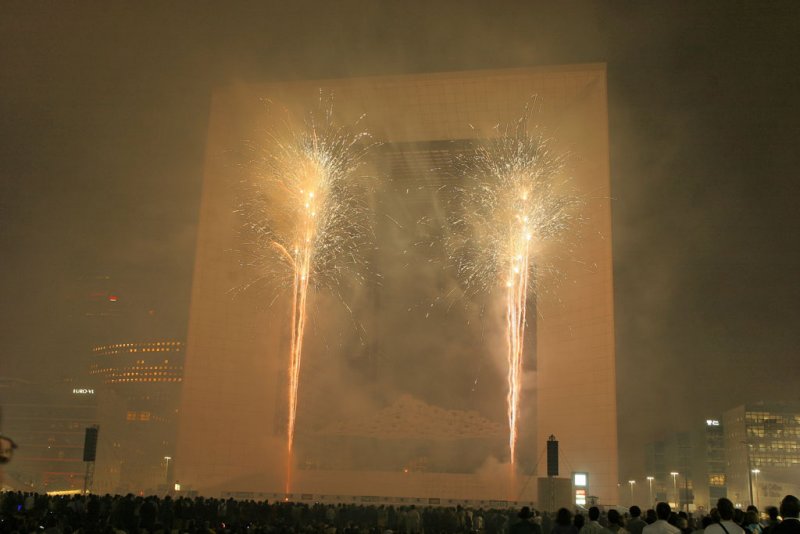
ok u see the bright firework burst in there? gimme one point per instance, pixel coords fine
(512, 202)
(308, 213)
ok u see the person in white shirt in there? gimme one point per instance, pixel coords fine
(661, 526)
(726, 524)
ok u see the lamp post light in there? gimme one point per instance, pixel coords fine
(650, 483)
(166, 469)
(631, 482)
(756, 472)
(675, 488)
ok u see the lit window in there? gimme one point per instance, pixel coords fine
(716, 480)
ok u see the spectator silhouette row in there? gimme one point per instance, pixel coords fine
(30, 513)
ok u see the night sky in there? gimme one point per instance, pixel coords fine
(103, 118)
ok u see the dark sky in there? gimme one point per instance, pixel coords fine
(103, 115)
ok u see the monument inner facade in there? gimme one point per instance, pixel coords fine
(402, 388)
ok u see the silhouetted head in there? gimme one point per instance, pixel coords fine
(594, 513)
(614, 518)
(772, 512)
(563, 517)
(635, 511)
(750, 517)
(790, 506)
(725, 509)
(663, 510)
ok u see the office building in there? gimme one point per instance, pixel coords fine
(47, 420)
(688, 468)
(762, 449)
(138, 389)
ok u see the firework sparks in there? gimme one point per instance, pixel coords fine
(307, 212)
(511, 203)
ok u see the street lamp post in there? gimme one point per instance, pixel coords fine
(675, 488)
(755, 472)
(650, 483)
(631, 482)
(749, 468)
(166, 469)
(686, 491)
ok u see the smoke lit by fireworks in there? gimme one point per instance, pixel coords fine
(307, 211)
(512, 202)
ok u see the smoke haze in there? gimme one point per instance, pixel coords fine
(105, 117)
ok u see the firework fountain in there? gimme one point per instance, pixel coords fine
(307, 212)
(512, 202)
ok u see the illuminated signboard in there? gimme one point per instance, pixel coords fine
(580, 481)
(82, 391)
(712, 422)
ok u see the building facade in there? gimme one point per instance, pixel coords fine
(138, 391)
(762, 447)
(671, 464)
(715, 484)
(48, 423)
(688, 468)
(400, 335)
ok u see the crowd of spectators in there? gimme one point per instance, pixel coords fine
(31, 513)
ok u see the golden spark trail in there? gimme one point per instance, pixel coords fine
(512, 202)
(299, 297)
(516, 306)
(307, 216)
